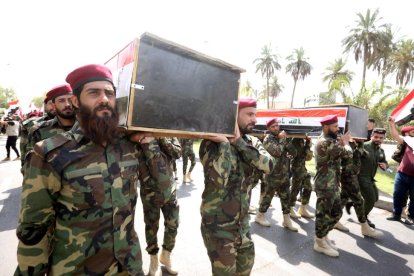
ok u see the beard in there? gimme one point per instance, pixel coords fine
(246, 129)
(67, 113)
(332, 134)
(101, 130)
(51, 114)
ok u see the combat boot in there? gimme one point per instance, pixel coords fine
(341, 227)
(330, 243)
(322, 246)
(287, 223)
(260, 219)
(165, 259)
(304, 212)
(293, 214)
(189, 179)
(153, 268)
(370, 232)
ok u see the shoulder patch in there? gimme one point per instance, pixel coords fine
(45, 146)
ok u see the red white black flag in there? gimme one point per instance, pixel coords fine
(404, 112)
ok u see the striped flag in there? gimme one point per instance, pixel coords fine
(404, 112)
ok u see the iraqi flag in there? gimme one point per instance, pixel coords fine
(404, 112)
(13, 103)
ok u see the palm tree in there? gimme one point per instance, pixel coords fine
(381, 58)
(298, 68)
(338, 79)
(402, 62)
(275, 89)
(267, 64)
(364, 40)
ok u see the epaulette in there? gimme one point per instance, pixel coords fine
(43, 148)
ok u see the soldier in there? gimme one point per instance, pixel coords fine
(280, 148)
(328, 154)
(300, 176)
(229, 166)
(157, 196)
(63, 121)
(372, 158)
(404, 179)
(79, 189)
(350, 189)
(188, 153)
(50, 112)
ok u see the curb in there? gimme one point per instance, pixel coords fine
(384, 203)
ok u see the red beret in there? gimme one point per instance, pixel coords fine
(88, 73)
(406, 129)
(329, 119)
(246, 102)
(271, 122)
(58, 91)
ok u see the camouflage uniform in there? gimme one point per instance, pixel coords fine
(229, 175)
(187, 153)
(157, 196)
(78, 205)
(369, 163)
(349, 181)
(24, 135)
(42, 130)
(278, 179)
(328, 154)
(300, 176)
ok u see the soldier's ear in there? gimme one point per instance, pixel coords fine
(75, 101)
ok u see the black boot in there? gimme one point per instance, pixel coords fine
(394, 217)
(348, 206)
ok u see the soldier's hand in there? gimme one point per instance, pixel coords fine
(282, 135)
(391, 120)
(141, 137)
(346, 137)
(383, 165)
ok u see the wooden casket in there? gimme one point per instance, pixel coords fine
(169, 89)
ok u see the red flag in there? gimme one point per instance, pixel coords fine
(404, 112)
(15, 102)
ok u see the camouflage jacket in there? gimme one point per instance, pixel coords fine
(171, 149)
(279, 149)
(302, 152)
(186, 144)
(369, 161)
(229, 174)
(352, 166)
(78, 204)
(24, 135)
(42, 130)
(328, 155)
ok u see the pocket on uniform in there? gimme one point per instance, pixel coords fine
(83, 188)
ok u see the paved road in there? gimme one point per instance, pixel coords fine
(278, 251)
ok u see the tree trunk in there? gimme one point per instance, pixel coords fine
(293, 93)
(267, 92)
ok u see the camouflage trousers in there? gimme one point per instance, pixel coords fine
(328, 211)
(188, 155)
(350, 191)
(174, 163)
(233, 255)
(369, 192)
(282, 188)
(170, 210)
(299, 181)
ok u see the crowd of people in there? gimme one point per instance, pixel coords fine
(81, 176)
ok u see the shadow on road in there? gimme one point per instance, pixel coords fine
(9, 214)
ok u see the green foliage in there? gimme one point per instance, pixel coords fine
(6, 95)
(38, 101)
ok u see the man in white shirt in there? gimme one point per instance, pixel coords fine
(12, 132)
